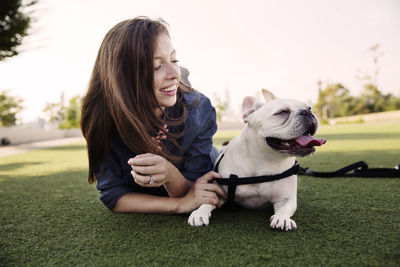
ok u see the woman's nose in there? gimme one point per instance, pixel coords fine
(173, 71)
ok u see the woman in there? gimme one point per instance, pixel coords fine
(149, 137)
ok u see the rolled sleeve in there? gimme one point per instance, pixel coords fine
(111, 188)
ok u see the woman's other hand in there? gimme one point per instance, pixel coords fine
(203, 191)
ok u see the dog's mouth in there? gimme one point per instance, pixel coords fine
(303, 145)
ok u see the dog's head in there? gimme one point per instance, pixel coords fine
(285, 125)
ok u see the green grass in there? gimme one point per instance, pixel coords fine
(51, 216)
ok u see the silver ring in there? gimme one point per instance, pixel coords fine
(151, 179)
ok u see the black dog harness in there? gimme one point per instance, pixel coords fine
(358, 169)
(234, 180)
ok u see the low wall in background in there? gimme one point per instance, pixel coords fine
(230, 125)
(17, 135)
(380, 116)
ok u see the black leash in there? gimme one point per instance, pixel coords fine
(358, 169)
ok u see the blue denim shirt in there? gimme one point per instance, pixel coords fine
(115, 179)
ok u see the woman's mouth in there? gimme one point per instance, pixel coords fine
(169, 91)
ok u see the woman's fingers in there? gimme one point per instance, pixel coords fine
(145, 170)
(150, 164)
(210, 198)
(146, 180)
(209, 176)
(216, 189)
(140, 178)
(144, 159)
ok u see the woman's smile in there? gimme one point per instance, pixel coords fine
(169, 91)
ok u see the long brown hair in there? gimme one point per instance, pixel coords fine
(120, 97)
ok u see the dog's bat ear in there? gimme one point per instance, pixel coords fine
(268, 96)
(249, 105)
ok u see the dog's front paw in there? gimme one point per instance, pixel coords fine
(199, 217)
(283, 223)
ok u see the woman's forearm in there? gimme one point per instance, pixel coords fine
(137, 202)
(201, 192)
(177, 186)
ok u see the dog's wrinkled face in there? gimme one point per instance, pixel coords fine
(286, 126)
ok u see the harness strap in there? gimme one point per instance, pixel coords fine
(233, 178)
(233, 181)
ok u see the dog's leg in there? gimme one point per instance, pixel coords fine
(201, 216)
(283, 211)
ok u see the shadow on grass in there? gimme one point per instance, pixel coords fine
(14, 166)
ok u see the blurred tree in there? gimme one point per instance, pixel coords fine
(373, 99)
(333, 101)
(72, 113)
(55, 112)
(392, 102)
(14, 25)
(66, 117)
(9, 107)
(220, 107)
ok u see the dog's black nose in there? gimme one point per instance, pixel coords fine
(305, 112)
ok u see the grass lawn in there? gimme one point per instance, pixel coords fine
(51, 216)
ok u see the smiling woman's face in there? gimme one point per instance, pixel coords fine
(166, 73)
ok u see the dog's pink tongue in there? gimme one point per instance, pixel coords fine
(307, 140)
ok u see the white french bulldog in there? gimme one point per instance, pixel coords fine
(276, 132)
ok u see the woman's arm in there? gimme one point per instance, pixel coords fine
(137, 202)
(201, 192)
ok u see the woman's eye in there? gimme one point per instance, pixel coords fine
(175, 61)
(157, 67)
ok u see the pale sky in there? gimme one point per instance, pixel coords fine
(242, 45)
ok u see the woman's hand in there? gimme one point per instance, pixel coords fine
(203, 192)
(150, 170)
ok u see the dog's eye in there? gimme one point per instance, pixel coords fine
(283, 112)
